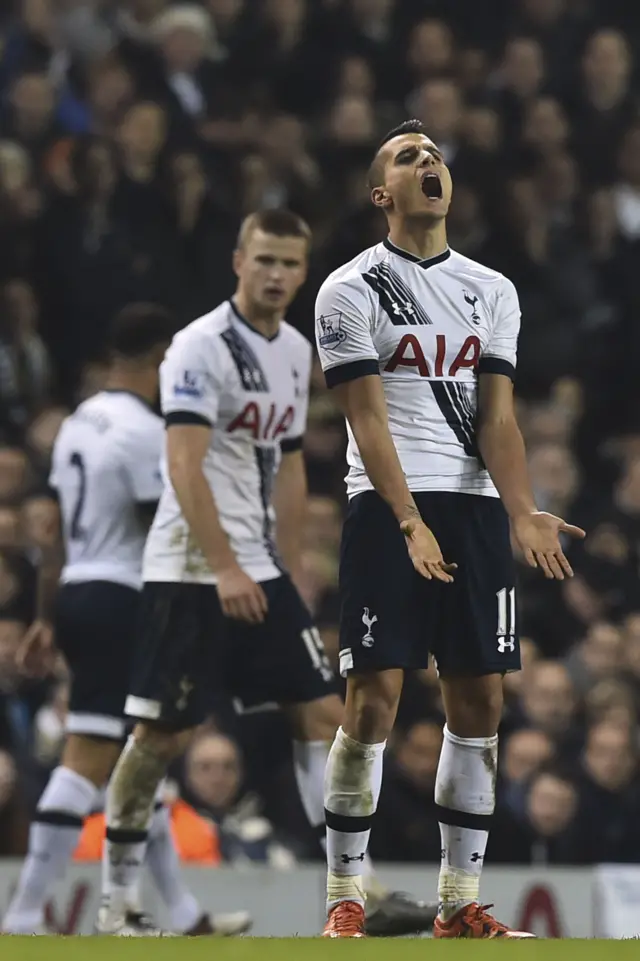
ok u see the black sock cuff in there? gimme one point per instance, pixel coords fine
(347, 824)
(462, 819)
(124, 836)
(58, 819)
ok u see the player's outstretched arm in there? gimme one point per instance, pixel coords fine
(363, 404)
(289, 501)
(503, 452)
(187, 445)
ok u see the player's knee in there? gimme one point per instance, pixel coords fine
(164, 742)
(473, 705)
(371, 706)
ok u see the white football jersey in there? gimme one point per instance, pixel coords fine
(106, 461)
(253, 392)
(428, 327)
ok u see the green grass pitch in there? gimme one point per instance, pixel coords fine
(307, 949)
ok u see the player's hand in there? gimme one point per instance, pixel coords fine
(425, 552)
(240, 597)
(538, 535)
(37, 653)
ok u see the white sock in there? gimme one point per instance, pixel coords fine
(162, 860)
(55, 830)
(465, 799)
(309, 764)
(129, 811)
(353, 779)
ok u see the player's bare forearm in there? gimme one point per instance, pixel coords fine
(363, 404)
(501, 445)
(186, 448)
(289, 501)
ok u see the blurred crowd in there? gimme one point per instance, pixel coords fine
(135, 134)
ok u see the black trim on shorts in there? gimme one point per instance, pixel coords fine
(346, 372)
(291, 444)
(177, 417)
(496, 365)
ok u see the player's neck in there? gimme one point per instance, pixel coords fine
(416, 238)
(138, 381)
(266, 323)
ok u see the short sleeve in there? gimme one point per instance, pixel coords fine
(191, 380)
(344, 332)
(294, 436)
(142, 461)
(500, 354)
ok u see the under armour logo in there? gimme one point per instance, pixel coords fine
(506, 620)
(357, 857)
(398, 308)
(506, 644)
(476, 856)
(368, 620)
(472, 301)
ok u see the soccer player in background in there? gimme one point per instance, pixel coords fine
(419, 345)
(219, 608)
(106, 477)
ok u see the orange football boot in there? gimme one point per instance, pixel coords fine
(474, 921)
(346, 920)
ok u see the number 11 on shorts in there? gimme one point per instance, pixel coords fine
(506, 620)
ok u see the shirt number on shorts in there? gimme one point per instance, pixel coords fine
(506, 620)
(317, 653)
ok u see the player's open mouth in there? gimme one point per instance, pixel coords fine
(431, 186)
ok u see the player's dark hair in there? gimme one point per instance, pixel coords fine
(376, 170)
(279, 222)
(138, 328)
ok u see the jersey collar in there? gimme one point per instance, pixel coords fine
(243, 320)
(429, 262)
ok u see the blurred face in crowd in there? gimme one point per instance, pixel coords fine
(543, 12)
(323, 523)
(9, 580)
(146, 10)
(524, 753)
(183, 48)
(11, 633)
(15, 167)
(545, 124)
(143, 130)
(611, 701)
(33, 101)
(557, 179)
(270, 270)
(631, 643)
(13, 472)
(225, 11)
(548, 697)
(416, 181)
(286, 13)
(213, 770)
(111, 88)
(355, 78)
(352, 121)
(40, 521)
(551, 804)
(553, 472)
(20, 306)
(419, 752)
(438, 106)
(601, 650)
(481, 129)
(607, 62)
(628, 488)
(8, 776)
(609, 758)
(523, 67)
(629, 159)
(430, 47)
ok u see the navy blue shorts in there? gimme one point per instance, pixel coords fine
(95, 630)
(188, 654)
(391, 617)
